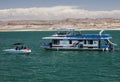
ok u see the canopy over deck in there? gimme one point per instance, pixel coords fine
(68, 29)
(18, 43)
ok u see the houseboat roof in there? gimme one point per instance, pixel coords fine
(85, 36)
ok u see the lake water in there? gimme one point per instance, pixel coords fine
(56, 66)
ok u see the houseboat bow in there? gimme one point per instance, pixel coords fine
(72, 39)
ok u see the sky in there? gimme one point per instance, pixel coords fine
(58, 9)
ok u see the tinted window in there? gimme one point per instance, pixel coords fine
(90, 41)
(70, 41)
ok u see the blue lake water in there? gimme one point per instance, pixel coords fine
(56, 66)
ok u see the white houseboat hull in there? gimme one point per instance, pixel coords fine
(75, 49)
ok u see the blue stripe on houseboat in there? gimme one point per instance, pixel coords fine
(90, 36)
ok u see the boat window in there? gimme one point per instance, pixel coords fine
(95, 41)
(70, 41)
(56, 41)
(90, 41)
(80, 40)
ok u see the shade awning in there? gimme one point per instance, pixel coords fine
(18, 43)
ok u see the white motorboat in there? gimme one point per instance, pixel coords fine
(19, 48)
(27, 50)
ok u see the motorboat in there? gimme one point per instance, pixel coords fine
(73, 39)
(18, 51)
(19, 48)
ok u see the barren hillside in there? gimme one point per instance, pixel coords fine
(41, 25)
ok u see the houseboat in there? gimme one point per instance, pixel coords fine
(72, 39)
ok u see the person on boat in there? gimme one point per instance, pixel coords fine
(110, 47)
(24, 47)
(17, 48)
